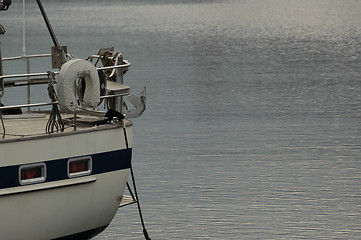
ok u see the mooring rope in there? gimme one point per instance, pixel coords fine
(55, 121)
(2, 123)
(134, 186)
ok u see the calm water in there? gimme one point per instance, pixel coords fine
(253, 126)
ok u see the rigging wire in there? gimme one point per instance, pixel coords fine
(24, 47)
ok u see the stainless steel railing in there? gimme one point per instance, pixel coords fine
(28, 79)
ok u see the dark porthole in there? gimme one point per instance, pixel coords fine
(32, 173)
(78, 167)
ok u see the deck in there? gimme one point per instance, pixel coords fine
(30, 125)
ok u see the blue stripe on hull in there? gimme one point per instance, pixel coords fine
(57, 169)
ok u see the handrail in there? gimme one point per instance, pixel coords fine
(52, 103)
(28, 105)
(27, 56)
(127, 64)
(23, 75)
(44, 80)
(26, 77)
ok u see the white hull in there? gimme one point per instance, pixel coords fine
(62, 207)
(63, 145)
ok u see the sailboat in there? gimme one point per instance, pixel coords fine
(65, 163)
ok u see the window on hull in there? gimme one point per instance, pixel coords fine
(78, 167)
(32, 173)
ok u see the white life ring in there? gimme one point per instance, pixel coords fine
(69, 73)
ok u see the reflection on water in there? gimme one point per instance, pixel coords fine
(253, 123)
